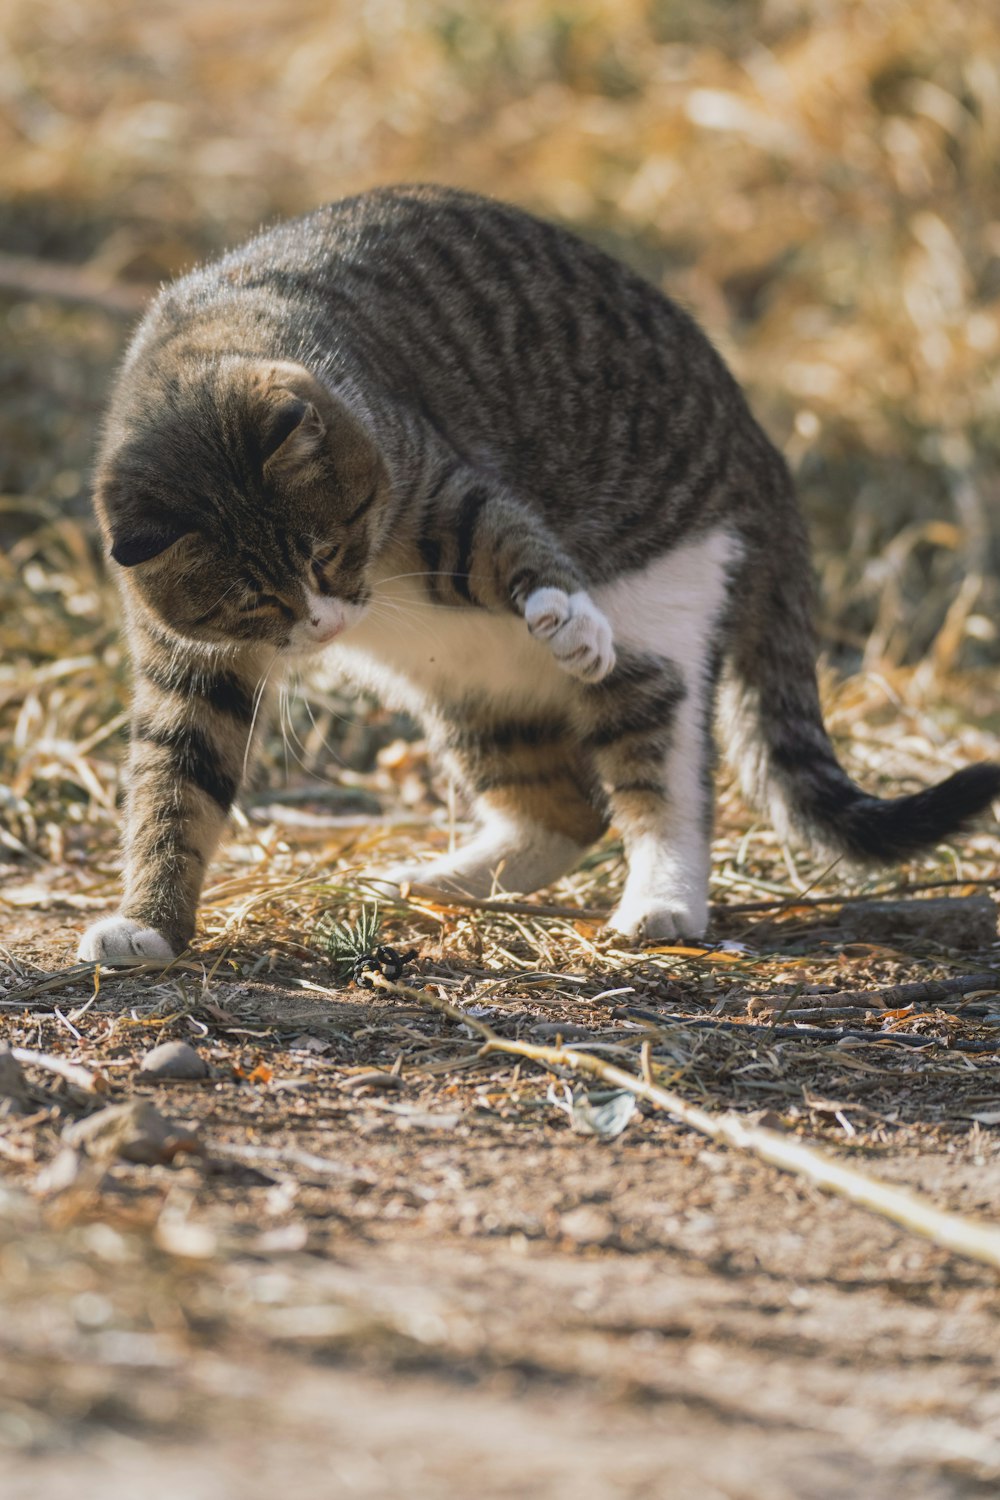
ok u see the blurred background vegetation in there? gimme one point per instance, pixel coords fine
(816, 179)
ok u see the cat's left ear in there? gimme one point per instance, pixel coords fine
(291, 427)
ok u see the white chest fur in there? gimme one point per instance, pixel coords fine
(410, 652)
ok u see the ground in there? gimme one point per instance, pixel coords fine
(369, 1252)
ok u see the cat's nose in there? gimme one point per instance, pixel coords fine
(324, 630)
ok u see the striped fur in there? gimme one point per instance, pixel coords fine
(511, 487)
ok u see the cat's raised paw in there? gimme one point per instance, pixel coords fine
(122, 941)
(574, 629)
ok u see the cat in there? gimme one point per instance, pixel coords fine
(512, 488)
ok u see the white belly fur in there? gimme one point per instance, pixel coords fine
(412, 654)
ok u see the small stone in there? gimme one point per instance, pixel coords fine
(174, 1060)
(587, 1225)
(13, 1084)
(135, 1131)
(551, 1031)
(374, 1082)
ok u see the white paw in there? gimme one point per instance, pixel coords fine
(577, 633)
(645, 919)
(119, 940)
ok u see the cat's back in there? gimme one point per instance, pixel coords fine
(399, 270)
(528, 349)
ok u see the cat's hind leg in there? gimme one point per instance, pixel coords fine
(648, 740)
(650, 732)
(536, 800)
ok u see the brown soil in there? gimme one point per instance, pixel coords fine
(435, 1288)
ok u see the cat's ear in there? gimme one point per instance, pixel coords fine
(142, 541)
(291, 428)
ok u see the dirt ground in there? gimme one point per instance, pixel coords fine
(389, 1265)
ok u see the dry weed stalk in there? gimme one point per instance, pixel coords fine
(972, 1238)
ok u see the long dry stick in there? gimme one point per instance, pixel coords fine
(916, 992)
(973, 1238)
(26, 276)
(416, 891)
(75, 1073)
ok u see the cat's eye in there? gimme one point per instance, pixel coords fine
(262, 600)
(320, 562)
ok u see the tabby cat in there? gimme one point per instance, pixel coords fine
(509, 486)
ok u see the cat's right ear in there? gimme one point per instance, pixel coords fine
(141, 542)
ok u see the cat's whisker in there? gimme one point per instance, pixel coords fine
(331, 751)
(290, 737)
(422, 573)
(399, 615)
(258, 699)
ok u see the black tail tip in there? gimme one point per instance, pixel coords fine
(895, 829)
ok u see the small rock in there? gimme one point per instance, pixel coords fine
(307, 1043)
(13, 1084)
(135, 1131)
(374, 1082)
(174, 1060)
(587, 1225)
(550, 1031)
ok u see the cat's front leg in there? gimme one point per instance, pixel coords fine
(505, 556)
(192, 719)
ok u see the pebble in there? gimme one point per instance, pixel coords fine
(587, 1225)
(134, 1131)
(13, 1084)
(374, 1082)
(550, 1031)
(174, 1060)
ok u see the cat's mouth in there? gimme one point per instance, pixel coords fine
(325, 620)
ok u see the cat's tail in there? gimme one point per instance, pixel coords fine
(773, 735)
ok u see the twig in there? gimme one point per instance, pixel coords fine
(75, 1073)
(973, 1238)
(917, 992)
(14, 999)
(24, 276)
(961, 1009)
(290, 1156)
(893, 891)
(808, 1033)
(415, 892)
(848, 1033)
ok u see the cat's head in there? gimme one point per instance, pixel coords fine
(244, 503)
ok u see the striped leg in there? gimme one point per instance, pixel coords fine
(650, 742)
(536, 799)
(191, 724)
(500, 555)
